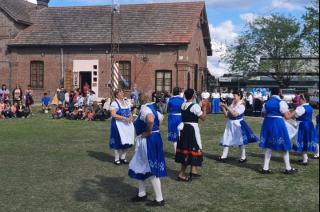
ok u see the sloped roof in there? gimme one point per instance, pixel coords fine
(18, 10)
(160, 23)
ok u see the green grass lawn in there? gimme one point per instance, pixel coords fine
(62, 165)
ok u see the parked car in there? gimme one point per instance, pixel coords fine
(314, 99)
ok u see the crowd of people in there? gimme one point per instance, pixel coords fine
(76, 105)
(282, 130)
(17, 107)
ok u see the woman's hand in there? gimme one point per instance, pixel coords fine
(128, 120)
(223, 105)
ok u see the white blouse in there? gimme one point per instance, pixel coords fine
(146, 111)
(114, 105)
(195, 109)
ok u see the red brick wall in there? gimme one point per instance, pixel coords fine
(145, 61)
(8, 29)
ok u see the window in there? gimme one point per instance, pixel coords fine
(36, 74)
(125, 70)
(164, 81)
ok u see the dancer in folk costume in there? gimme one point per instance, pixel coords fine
(274, 133)
(189, 148)
(316, 156)
(237, 132)
(304, 141)
(215, 106)
(174, 117)
(148, 160)
(122, 129)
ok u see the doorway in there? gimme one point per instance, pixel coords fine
(85, 77)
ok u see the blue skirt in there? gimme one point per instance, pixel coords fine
(215, 107)
(247, 134)
(156, 159)
(173, 122)
(115, 139)
(274, 135)
(306, 138)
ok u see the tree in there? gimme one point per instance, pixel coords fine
(274, 40)
(310, 31)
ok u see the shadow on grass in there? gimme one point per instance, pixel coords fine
(234, 162)
(276, 158)
(103, 188)
(101, 156)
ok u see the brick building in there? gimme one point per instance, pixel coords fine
(161, 46)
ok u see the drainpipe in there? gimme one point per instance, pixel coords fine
(62, 68)
(177, 72)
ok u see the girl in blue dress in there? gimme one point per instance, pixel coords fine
(148, 161)
(304, 141)
(174, 117)
(237, 132)
(316, 156)
(274, 134)
(122, 129)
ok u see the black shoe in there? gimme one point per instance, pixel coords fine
(155, 203)
(124, 161)
(139, 199)
(291, 171)
(242, 160)
(222, 159)
(117, 162)
(303, 163)
(262, 171)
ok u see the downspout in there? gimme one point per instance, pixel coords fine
(62, 68)
(177, 72)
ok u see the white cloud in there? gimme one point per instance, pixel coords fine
(288, 4)
(248, 17)
(222, 36)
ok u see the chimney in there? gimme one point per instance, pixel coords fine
(42, 3)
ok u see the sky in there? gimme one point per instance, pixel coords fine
(227, 19)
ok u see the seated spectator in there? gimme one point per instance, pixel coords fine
(22, 111)
(100, 113)
(58, 112)
(73, 115)
(13, 109)
(45, 102)
(7, 113)
(4, 93)
(80, 101)
(65, 109)
(89, 114)
(81, 114)
(2, 106)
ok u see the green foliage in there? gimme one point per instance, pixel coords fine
(311, 28)
(272, 39)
